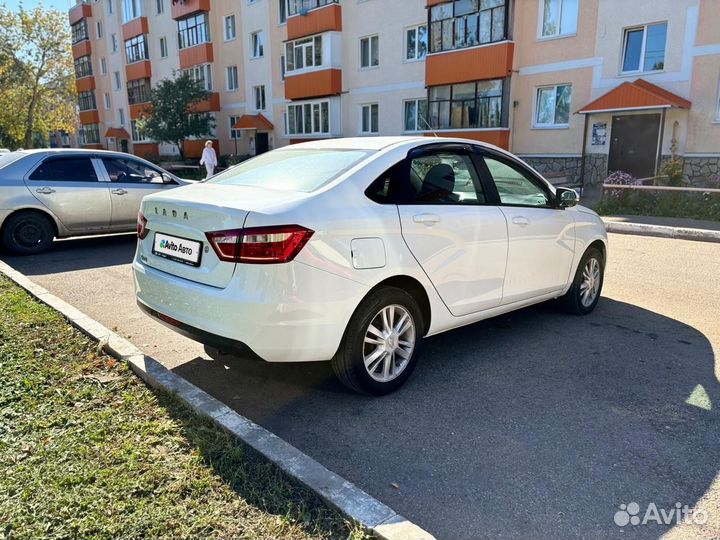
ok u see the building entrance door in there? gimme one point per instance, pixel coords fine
(634, 144)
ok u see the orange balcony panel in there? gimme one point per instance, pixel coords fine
(138, 70)
(95, 146)
(85, 84)
(134, 28)
(138, 109)
(318, 20)
(142, 150)
(194, 148)
(183, 8)
(199, 54)
(465, 65)
(431, 3)
(82, 48)
(89, 117)
(209, 105)
(79, 12)
(314, 84)
(498, 137)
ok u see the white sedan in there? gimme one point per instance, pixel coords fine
(355, 250)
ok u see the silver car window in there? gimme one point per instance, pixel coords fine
(65, 169)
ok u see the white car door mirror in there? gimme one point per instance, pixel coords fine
(566, 198)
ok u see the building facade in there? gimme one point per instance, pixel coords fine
(576, 87)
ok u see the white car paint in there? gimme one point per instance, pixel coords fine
(473, 262)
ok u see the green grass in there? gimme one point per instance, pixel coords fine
(88, 451)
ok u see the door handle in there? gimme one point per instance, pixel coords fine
(45, 190)
(119, 191)
(521, 220)
(427, 219)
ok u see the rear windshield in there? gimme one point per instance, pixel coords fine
(292, 170)
(9, 157)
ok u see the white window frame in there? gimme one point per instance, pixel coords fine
(160, 6)
(113, 43)
(303, 105)
(259, 95)
(369, 39)
(234, 134)
(103, 66)
(308, 42)
(135, 135)
(284, 3)
(121, 116)
(626, 34)
(132, 9)
(717, 104)
(257, 45)
(419, 128)
(110, 7)
(99, 29)
(203, 73)
(163, 47)
(117, 81)
(536, 109)
(415, 29)
(106, 99)
(369, 108)
(227, 35)
(559, 34)
(232, 79)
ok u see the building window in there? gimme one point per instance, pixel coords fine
(110, 7)
(234, 133)
(136, 49)
(308, 118)
(138, 91)
(717, 115)
(259, 98)
(559, 17)
(89, 134)
(136, 134)
(98, 27)
(466, 23)
(132, 9)
(283, 10)
(121, 116)
(103, 66)
(644, 48)
(83, 67)
(79, 31)
(113, 43)
(86, 101)
(163, 47)
(282, 67)
(201, 74)
(229, 27)
(193, 31)
(118, 81)
(467, 105)
(160, 4)
(296, 7)
(369, 118)
(303, 53)
(552, 105)
(416, 42)
(232, 78)
(256, 44)
(415, 115)
(107, 102)
(369, 52)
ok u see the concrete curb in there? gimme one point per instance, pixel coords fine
(661, 231)
(382, 521)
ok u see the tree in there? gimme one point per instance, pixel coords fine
(173, 114)
(37, 94)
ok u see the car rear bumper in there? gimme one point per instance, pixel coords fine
(282, 313)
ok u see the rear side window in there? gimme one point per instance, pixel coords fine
(302, 170)
(65, 170)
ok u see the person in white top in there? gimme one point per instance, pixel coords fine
(209, 159)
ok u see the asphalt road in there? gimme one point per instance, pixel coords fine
(531, 425)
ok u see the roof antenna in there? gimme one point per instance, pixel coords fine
(428, 126)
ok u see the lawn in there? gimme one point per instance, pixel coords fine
(88, 451)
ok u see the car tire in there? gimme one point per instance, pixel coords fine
(584, 293)
(27, 233)
(386, 333)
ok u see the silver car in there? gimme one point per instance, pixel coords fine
(47, 194)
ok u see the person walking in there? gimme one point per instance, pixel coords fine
(209, 159)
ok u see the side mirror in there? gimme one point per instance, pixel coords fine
(566, 198)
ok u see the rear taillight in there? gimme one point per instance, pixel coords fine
(142, 231)
(262, 245)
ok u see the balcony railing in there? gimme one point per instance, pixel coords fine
(300, 7)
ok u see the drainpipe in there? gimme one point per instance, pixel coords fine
(582, 151)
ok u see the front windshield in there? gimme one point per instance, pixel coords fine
(302, 170)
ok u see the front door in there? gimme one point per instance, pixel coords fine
(634, 144)
(124, 146)
(262, 143)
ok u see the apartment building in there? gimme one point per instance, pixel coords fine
(577, 87)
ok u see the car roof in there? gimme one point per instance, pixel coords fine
(70, 151)
(383, 143)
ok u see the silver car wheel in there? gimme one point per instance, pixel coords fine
(389, 343)
(590, 284)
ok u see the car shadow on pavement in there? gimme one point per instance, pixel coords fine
(77, 254)
(531, 425)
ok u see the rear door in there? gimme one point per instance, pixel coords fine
(458, 239)
(71, 188)
(541, 236)
(130, 180)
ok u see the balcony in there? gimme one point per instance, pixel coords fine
(198, 54)
(134, 28)
(81, 48)
(465, 65)
(183, 8)
(499, 137)
(138, 70)
(85, 84)
(89, 117)
(321, 83)
(321, 19)
(79, 12)
(139, 109)
(209, 105)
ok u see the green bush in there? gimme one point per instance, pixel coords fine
(671, 173)
(684, 204)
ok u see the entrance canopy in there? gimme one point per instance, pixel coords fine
(633, 96)
(118, 133)
(254, 121)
